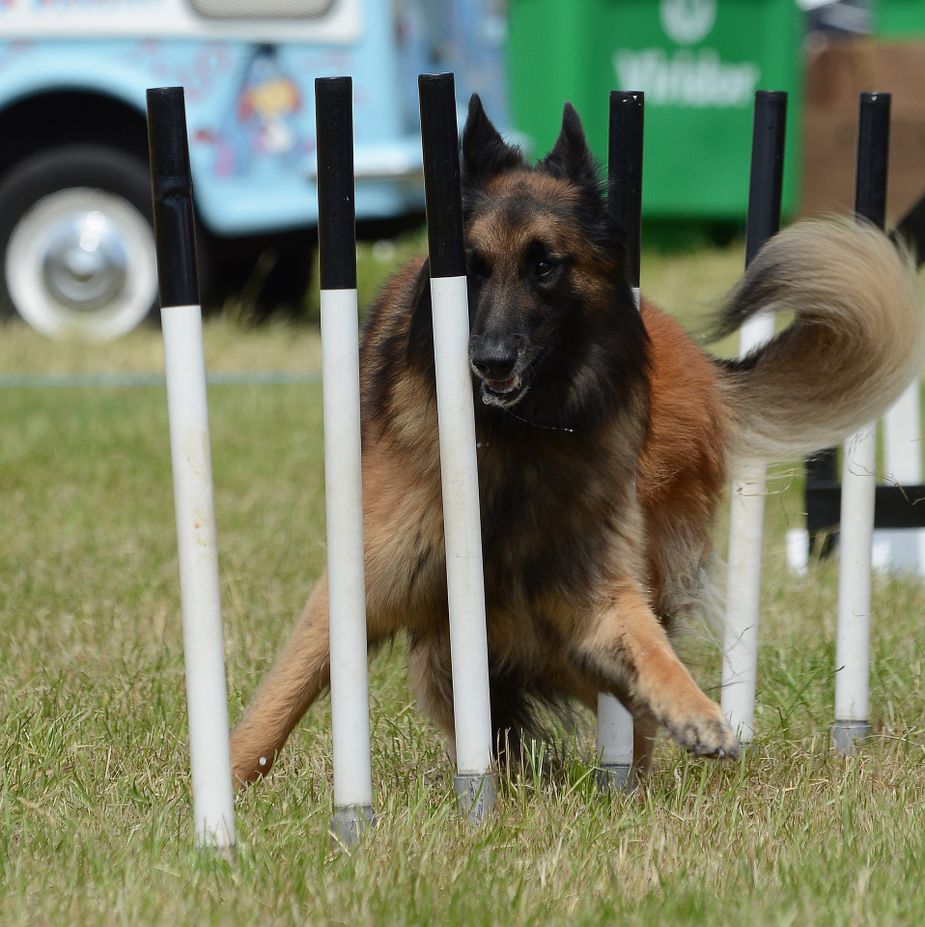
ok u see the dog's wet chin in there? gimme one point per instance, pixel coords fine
(504, 393)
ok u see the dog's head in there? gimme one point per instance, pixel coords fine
(547, 280)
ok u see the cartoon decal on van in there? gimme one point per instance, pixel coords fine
(264, 123)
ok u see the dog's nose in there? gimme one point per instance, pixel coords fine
(494, 361)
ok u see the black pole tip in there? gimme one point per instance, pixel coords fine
(340, 81)
(336, 210)
(767, 170)
(436, 94)
(442, 78)
(627, 97)
(167, 139)
(624, 171)
(172, 194)
(442, 189)
(166, 93)
(873, 155)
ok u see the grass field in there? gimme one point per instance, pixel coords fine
(94, 792)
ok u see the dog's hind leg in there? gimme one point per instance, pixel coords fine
(300, 674)
(627, 650)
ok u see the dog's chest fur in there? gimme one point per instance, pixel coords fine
(553, 512)
(558, 519)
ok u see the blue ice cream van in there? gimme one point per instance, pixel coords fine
(75, 212)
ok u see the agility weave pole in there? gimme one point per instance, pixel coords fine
(475, 782)
(746, 516)
(899, 526)
(181, 318)
(624, 202)
(859, 476)
(902, 465)
(343, 474)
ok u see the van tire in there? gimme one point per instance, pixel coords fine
(77, 242)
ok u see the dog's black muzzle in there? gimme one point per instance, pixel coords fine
(499, 366)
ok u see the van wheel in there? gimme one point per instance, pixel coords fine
(77, 241)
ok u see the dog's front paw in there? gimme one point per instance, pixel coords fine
(704, 735)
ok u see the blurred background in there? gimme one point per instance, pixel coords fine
(75, 215)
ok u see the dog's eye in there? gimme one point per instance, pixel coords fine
(543, 268)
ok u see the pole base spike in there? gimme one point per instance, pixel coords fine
(476, 794)
(615, 777)
(847, 735)
(349, 824)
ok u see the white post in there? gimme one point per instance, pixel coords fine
(463, 535)
(746, 519)
(210, 755)
(852, 644)
(625, 138)
(343, 481)
(475, 781)
(615, 723)
(343, 463)
(614, 742)
(859, 477)
(743, 588)
(902, 440)
(903, 548)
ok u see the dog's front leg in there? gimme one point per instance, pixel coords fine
(299, 675)
(626, 649)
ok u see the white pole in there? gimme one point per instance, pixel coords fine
(614, 742)
(474, 782)
(902, 440)
(852, 644)
(615, 723)
(210, 755)
(746, 518)
(859, 477)
(903, 549)
(625, 137)
(343, 480)
(743, 588)
(463, 536)
(343, 466)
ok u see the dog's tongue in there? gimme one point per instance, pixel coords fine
(503, 386)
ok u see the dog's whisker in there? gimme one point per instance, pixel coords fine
(520, 418)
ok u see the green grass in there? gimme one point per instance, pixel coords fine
(94, 790)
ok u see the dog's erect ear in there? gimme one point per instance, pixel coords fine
(570, 158)
(485, 153)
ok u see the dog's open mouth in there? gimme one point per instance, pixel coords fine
(504, 393)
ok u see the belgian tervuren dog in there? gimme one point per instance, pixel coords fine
(604, 437)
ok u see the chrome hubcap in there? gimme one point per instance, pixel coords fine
(85, 266)
(81, 263)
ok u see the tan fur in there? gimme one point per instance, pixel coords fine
(682, 470)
